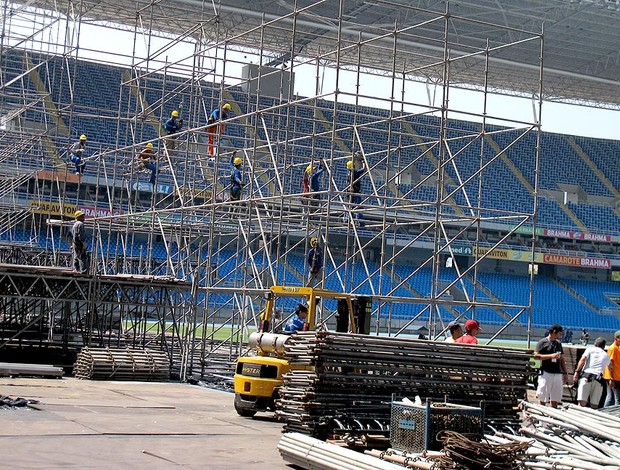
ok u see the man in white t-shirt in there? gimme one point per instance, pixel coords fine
(589, 372)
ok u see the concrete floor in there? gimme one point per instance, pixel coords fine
(84, 424)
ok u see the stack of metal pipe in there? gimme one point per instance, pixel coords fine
(570, 438)
(354, 377)
(122, 364)
(307, 452)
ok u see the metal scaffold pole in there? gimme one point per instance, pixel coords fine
(420, 195)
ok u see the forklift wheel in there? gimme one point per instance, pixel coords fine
(242, 408)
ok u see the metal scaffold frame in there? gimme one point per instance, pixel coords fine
(261, 237)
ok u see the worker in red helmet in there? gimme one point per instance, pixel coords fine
(472, 329)
(215, 124)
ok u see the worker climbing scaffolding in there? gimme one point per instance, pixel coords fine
(77, 155)
(173, 127)
(236, 180)
(216, 126)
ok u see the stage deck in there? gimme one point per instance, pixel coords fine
(132, 425)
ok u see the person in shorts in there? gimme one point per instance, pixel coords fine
(553, 371)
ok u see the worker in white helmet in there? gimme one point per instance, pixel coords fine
(77, 155)
(173, 126)
(78, 238)
(215, 124)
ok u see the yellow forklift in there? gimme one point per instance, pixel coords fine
(258, 378)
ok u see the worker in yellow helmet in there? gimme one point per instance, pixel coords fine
(315, 263)
(148, 159)
(78, 238)
(215, 124)
(173, 126)
(311, 185)
(236, 180)
(77, 155)
(355, 181)
(355, 185)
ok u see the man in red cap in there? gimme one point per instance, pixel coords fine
(472, 329)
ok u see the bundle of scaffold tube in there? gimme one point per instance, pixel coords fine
(122, 364)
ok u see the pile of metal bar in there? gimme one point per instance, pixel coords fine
(122, 364)
(354, 377)
(11, 369)
(565, 439)
(307, 452)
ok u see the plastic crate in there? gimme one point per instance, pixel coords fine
(414, 428)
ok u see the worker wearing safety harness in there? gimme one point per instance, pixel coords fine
(215, 126)
(77, 155)
(236, 182)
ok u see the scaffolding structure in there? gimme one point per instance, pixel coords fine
(207, 62)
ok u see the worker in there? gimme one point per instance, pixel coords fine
(589, 374)
(315, 263)
(298, 320)
(612, 372)
(456, 331)
(173, 126)
(236, 180)
(311, 185)
(472, 330)
(315, 172)
(355, 189)
(355, 182)
(77, 155)
(148, 159)
(78, 237)
(215, 124)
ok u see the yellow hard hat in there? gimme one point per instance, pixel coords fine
(313, 240)
(78, 213)
(237, 161)
(149, 145)
(350, 164)
(175, 113)
(309, 169)
(83, 137)
(226, 107)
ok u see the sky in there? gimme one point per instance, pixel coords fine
(556, 117)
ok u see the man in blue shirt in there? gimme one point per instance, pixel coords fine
(312, 185)
(173, 125)
(314, 179)
(215, 126)
(315, 263)
(298, 320)
(236, 182)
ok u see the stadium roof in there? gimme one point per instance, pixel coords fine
(581, 53)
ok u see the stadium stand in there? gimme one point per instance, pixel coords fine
(507, 187)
